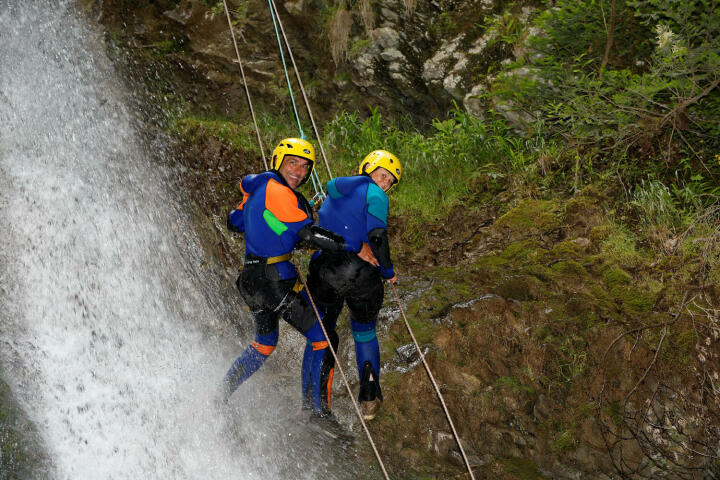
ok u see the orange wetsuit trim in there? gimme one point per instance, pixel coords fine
(320, 345)
(264, 349)
(329, 386)
(282, 202)
(245, 198)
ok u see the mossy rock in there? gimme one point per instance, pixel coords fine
(531, 217)
(519, 287)
(521, 468)
(198, 130)
(598, 234)
(634, 298)
(522, 251)
(541, 272)
(490, 266)
(567, 249)
(583, 212)
(570, 267)
(614, 277)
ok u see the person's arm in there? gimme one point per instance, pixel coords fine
(367, 255)
(236, 220)
(322, 238)
(376, 224)
(381, 248)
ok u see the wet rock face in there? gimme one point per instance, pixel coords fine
(413, 58)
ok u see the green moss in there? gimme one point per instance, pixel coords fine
(682, 347)
(198, 130)
(636, 299)
(522, 468)
(614, 277)
(541, 272)
(563, 442)
(570, 267)
(600, 295)
(600, 233)
(566, 249)
(491, 266)
(514, 384)
(531, 217)
(619, 246)
(519, 287)
(521, 251)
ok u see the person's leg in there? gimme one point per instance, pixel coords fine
(262, 297)
(330, 304)
(300, 314)
(367, 352)
(250, 360)
(364, 304)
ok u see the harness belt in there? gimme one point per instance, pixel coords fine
(254, 259)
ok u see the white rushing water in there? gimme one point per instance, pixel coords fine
(104, 313)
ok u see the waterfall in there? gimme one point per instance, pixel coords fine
(110, 335)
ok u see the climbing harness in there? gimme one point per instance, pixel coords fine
(432, 379)
(247, 92)
(345, 380)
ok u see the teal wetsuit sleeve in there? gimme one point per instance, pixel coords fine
(332, 189)
(377, 204)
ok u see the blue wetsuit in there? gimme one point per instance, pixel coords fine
(274, 218)
(356, 209)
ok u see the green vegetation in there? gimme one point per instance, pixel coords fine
(606, 208)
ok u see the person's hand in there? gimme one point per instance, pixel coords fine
(367, 254)
(393, 280)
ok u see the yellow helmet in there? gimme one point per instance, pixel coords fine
(296, 147)
(384, 159)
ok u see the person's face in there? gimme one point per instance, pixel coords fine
(382, 178)
(294, 169)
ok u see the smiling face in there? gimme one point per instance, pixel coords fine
(294, 169)
(382, 178)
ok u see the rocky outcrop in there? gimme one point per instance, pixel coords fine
(414, 62)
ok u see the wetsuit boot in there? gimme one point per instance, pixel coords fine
(367, 351)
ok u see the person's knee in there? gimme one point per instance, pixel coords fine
(363, 331)
(365, 308)
(265, 344)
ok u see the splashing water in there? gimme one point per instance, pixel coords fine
(102, 298)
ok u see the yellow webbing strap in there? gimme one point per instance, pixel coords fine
(281, 258)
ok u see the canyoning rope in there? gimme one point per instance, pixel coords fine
(287, 76)
(247, 92)
(345, 380)
(317, 185)
(432, 379)
(276, 22)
